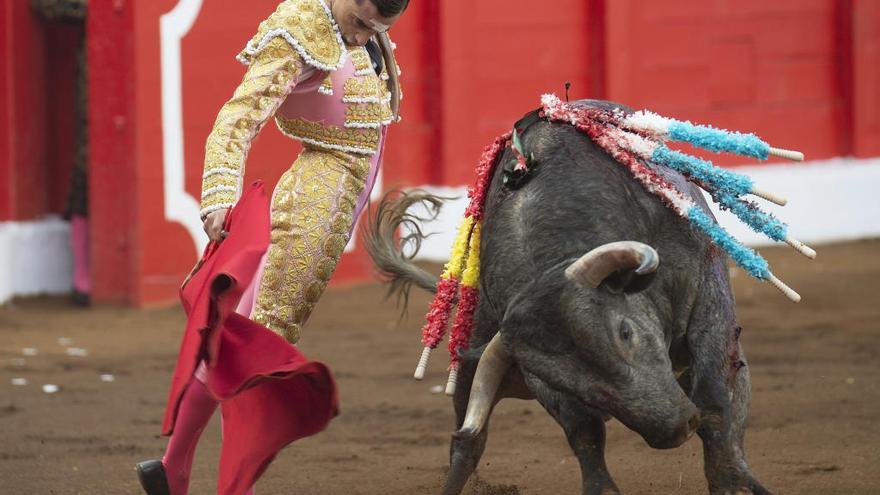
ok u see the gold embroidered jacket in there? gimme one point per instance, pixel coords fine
(299, 35)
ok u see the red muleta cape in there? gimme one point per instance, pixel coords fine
(270, 394)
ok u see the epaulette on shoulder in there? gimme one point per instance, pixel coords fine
(309, 27)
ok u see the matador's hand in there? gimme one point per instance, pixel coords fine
(214, 225)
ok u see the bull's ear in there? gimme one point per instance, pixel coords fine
(624, 266)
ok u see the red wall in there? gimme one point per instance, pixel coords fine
(23, 141)
(114, 182)
(801, 73)
(62, 44)
(865, 79)
(37, 93)
(497, 58)
(765, 67)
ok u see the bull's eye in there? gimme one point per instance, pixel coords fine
(625, 333)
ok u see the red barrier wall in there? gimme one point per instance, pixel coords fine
(22, 170)
(765, 67)
(37, 74)
(800, 73)
(866, 77)
(114, 156)
(6, 92)
(498, 57)
(62, 44)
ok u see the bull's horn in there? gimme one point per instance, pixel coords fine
(491, 369)
(594, 267)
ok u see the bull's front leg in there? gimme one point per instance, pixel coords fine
(585, 431)
(722, 391)
(487, 380)
(466, 448)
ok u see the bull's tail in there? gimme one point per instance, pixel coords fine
(393, 255)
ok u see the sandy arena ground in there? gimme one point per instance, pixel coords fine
(814, 424)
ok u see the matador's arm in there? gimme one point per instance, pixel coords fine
(270, 78)
(60, 10)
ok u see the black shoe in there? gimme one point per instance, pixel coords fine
(152, 477)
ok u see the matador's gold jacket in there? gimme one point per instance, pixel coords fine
(320, 92)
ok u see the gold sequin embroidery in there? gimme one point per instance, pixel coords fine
(311, 217)
(367, 115)
(360, 59)
(307, 26)
(367, 95)
(241, 118)
(360, 141)
(326, 87)
(360, 88)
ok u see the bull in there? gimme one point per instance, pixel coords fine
(598, 302)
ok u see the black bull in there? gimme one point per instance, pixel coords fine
(658, 351)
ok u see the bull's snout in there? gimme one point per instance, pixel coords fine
(678, 434)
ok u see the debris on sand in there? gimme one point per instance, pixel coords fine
(77, 352)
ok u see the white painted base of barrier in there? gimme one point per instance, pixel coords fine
(828, 201)
(35, 258)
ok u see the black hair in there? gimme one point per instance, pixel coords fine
(390, 8)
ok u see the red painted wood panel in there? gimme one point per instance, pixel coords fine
(6, 112)
(62, 44)
(498, 57)
(36, 88)
(757, 66)
(114, 184)
(22, 192)
(866, 77)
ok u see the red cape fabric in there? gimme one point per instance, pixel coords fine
(270, 394)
